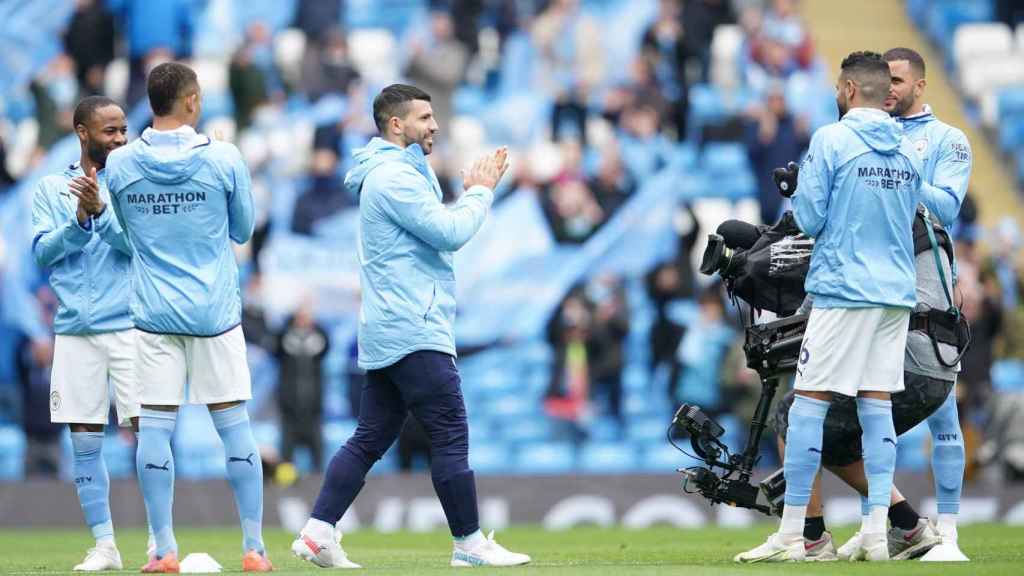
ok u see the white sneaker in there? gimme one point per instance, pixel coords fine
(102, 557)
(490, 553)
(909, 544)
(850, 546)
(776, 549)
(873, 548)
(820, 550)
(325, 554)
(947, 551)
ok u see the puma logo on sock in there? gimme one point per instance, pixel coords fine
(165, 467)
(246, 459)
(889, 440)
(814, 450)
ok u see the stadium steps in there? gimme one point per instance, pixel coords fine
(881, 24)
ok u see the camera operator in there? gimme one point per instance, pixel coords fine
(857, 193)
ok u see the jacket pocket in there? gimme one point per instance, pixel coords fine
(433, 299)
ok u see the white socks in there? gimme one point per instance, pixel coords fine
(318, 530)
(471, 542)
(946, 525)
(792, 524)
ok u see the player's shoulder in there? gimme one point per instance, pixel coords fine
(946, 131)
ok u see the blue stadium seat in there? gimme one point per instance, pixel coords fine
(608, 457)
(647, 429)
(1011, 102)
(1008, 375)
(605, 428)
(545, 458)
(12, 453)
(1011, 132)
(729, 167)
(119, 455)
(662, 457)
(526, 428)
(490, 458)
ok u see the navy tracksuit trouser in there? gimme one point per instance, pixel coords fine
(427, 384)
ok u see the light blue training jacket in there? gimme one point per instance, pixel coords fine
(946, 155)
(182, 198)
(857, 193)
(89, 267)
(406, 242)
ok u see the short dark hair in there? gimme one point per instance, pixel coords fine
(393, 101)
(168, 82)
(870, 72)
(908, 54)
(88, 106)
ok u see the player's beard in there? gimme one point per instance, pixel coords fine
(97, 153)
(842, 106)
(902, 105)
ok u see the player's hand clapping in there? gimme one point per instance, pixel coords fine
(487, 170)
(87, 190)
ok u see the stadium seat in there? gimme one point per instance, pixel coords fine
(1008, 375)
(1011, 133)
(12, 453)
(980, 41)
(490, 458)
(605, 429)
(525, 428)
(647, 429)
(545, 458)
(608, 458)
(119, 455)
(374, 53)
(663, 458)
(979, 76)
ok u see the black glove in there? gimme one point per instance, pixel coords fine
(785, 178)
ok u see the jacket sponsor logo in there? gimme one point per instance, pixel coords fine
(884, 178)
(921, 147)
(166, 202)
(961, 153)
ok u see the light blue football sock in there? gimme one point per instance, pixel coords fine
(92, 482)
(947, 455)
(245, 471)
(803, 448)
(155, 466)
(879, 444)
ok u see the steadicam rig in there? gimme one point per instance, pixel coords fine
(772, 349)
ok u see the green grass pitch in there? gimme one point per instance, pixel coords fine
(994, 550)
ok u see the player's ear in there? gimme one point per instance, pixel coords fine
(82, 132)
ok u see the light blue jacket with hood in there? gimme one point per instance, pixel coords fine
(407, 238)
(946, 155)
(857, 193)
(182, 198)
(89, 266)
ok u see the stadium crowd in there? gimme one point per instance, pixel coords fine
(682, 108)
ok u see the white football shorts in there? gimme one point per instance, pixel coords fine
(175, 369)
(847, 350)
(85, 368)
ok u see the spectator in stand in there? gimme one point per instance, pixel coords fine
(572, 211)
(6, 179)
(324, 197)
(773, 138)
(701, 357)
(782, 23)
(666, 52)
(317, 17)
(89, 41)
(700, 18)
(571, 62)
(33, 364)
(567, 399)
(437, 65)
(54, 92)
(155, 33)
(645, 149)
(606, 296)
(982, 305)
(668, 282)
(246, 74)
(613, 184)
(327, 67)
(300, 349)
